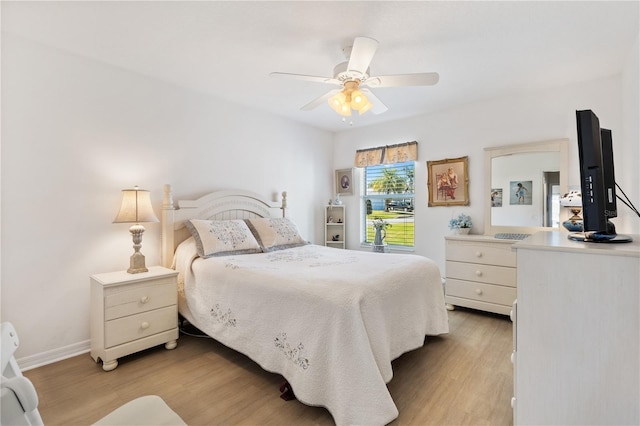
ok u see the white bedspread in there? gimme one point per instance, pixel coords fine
(330, 321)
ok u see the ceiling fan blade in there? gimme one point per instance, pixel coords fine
(419, 79)
(312, 78)
(361, 54)
(378, 106)
(319, 101)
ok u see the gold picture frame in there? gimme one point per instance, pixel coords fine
(344, 182)
(448, 182)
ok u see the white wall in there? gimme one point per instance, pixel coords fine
(627, 159)
(467, 130)
(75, 132)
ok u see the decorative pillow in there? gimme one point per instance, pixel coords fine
(275, 233)
(222, 237)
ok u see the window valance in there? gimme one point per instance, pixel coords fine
(389, 154)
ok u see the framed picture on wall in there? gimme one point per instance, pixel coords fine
(496, 197)
(344, 182)
(520, 192)
(448, 182)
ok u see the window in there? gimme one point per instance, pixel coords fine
(388, 194)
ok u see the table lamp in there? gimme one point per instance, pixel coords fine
(136, 208)
(573, 201)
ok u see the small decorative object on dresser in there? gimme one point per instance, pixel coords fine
(573, 201)
(461, 224)
(130, 313)
(334, 217)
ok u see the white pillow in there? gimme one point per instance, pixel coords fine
(275, 233)
(222, 237)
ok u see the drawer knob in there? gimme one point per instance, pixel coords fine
(478, 292)
(479, 273)
(478, 254)
(144, 299)
(144, 325)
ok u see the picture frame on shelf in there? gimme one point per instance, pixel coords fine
(448, 182)
(344, 182)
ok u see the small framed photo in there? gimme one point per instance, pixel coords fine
(448, 182)
(520, 192)
(496, 197)
(344, 182)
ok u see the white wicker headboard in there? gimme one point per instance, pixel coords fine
(219, 205)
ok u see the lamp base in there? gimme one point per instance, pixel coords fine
(574, 223)
(136, 264)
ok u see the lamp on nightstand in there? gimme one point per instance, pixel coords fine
(136, 208)
(573, 201)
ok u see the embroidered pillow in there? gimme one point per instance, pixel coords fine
(222, 237)
(275, 233)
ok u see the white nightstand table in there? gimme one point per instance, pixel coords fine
(132, 312)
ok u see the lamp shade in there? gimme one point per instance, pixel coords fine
(136, 207)
(571, 199)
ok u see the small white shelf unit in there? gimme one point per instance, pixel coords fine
(334, 221)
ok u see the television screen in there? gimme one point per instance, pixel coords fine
(597, 181)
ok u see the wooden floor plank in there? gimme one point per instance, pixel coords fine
(462, 378)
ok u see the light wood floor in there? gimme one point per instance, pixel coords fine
(463, 378)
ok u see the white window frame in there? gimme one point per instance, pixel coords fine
(397, 196)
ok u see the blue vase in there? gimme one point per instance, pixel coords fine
(573, 225)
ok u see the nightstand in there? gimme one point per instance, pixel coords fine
(132, 312)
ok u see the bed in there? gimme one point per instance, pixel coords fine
(329, 321)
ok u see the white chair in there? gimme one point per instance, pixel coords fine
(20, 400)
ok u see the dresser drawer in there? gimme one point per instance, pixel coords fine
(482, 292)
(137, 299)
(126, 329)
(487, 253)
(489, 274)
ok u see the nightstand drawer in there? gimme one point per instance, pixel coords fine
(490, 274)
(141, 299)
(486, 253)
(123, 330)
(479, 291)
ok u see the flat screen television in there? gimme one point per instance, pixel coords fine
(597, 181)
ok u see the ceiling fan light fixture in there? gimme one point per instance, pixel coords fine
(366, 107)
(358, 100)
(355, 73)
(350, 97)
(340, 102)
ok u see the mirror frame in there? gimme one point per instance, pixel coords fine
(558, 145)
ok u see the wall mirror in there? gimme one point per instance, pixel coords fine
(523, 186)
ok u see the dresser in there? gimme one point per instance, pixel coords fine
(577, 338)
(132, 312)
(480, 273)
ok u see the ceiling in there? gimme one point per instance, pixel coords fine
(227, 49)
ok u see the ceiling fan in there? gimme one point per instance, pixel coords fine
(354, 80)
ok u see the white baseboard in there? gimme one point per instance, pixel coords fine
(55, 355)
